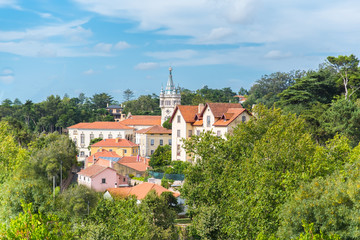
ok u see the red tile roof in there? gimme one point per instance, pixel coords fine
(93, 170)
(100, 125)
(140, 191)
(157, 129)
(132, 162)
(142, 120)
(117, 142)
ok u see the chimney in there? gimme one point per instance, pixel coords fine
(115, 185)
(111, 163)
(200, 107)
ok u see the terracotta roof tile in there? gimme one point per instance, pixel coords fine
(132, 162)
(140, 191)
(93, 170)
(198, 123)
(142, 120)
(157, 129)
(100, 125)
(188, 112)
(218, 109)
(229, 117)
(117, 142)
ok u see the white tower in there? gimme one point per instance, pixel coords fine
(169, 99)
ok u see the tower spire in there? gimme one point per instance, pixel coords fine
(170, 84)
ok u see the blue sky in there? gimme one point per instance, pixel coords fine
(94, 46)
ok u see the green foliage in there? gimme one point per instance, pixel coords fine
(101, 100)
(128, 95)
(12, 156)
(244, 180)
(342, 117)
(167, 124)
(266, 89)
(206, 94)
(76, 200)
(347, 68)
(144, 105)
(32, 225)
(331, 204)
(161, 157)
(177, 167)
(166, 183)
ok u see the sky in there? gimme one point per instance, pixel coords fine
(94, 46)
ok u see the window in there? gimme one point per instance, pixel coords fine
(124, 179)
(170, 142)
(110, 150)
(190, 133)
(119, 135)
(218, 133)
(91, 136)
(152, 142)
(178, 150)
(75, 141)
(82, 138)
(208, 123)
(82, 153)
(75, 132)
(198, 132)
(125, 151)
(101, 135)
(161, 142)
(103, 180)
(178, 133)
(151, 152)
(243, 119)
(178, 118)
(110, 136)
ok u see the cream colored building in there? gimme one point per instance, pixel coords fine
(149, 139)
(220, 118)
(83, 133)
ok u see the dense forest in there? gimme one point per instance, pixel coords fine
(291, 172)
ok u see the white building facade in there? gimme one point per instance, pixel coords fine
(220, 118)
(83, 133)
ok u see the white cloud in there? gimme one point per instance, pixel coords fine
(146, 66)
(103, 47)
(121, 45)
(7, 76)
(276, 54)
(181, 54)
(9, 3)
(7, 71)
(89, 72)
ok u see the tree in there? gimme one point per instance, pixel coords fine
(128, 95)
(238, 185)
(266, 89)
(347, 68)
(161, 157)
(33, 225)
(167, 124)
(100, 100)
(330, 204)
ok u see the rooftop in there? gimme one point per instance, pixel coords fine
(100, 125)
(117, 142)
(142, 120)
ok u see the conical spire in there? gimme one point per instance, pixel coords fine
(170, 84)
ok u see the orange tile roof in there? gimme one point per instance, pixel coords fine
(229, 117)
(140, 191)
(188, 112)
(198, 123)
(218, 109)
(103, 153)
(132, 162)
(142, 120)
(93, 170)
(114, 142)
(100, 125)
(157, 129)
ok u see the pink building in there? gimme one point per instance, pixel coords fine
(99, 178)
